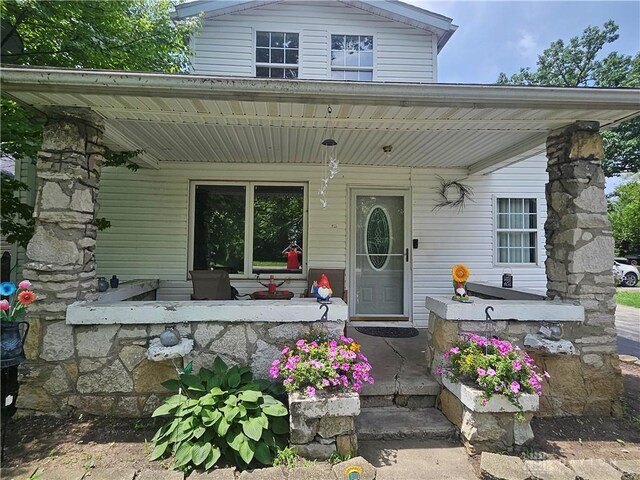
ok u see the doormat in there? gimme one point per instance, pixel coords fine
(388, 332)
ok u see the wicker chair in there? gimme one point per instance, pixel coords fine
(336, 279)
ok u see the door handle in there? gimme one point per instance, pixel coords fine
(406, 254)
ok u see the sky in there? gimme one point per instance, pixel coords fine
(502, 36)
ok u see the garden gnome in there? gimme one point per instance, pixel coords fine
(322, 289)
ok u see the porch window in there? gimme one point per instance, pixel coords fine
(516, 230)
(352, 57)
(248, 228)
(277, 55)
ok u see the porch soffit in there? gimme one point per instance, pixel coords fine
(481, 128)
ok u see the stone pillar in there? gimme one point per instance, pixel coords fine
(579, 260)
(61, 254)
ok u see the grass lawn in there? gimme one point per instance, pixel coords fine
(631, 299)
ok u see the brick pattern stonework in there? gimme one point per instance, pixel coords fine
(579, 261)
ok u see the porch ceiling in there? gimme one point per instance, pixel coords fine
(189, 118)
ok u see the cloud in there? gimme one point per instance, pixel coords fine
(527, 46)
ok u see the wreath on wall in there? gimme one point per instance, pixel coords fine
(453, 193)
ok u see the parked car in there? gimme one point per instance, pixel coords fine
(628, 274)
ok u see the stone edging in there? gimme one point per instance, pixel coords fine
(505, 467)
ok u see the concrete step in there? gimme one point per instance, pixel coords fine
(410, 401)
(387, 423)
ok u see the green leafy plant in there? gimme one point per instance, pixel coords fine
(221, 415)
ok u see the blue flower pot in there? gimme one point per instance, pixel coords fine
(12, 344)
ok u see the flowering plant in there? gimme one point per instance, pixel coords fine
(14, 308)
(332, 364)
(494, 365)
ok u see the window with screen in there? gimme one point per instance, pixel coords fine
(277, 55)
(516, 230)
(352, 57)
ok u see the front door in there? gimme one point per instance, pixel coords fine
(379, 267)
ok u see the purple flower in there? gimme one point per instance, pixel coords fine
(491, 372)
(515, 387)
(311, 391)
(325, 382)
(517, 365)
(481, 372)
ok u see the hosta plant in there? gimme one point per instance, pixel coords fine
(221, 415)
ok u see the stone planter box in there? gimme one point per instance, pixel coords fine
(323, 424)
(487, 428)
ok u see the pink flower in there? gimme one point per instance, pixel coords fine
(275, 363)
(491, 372)
(484, 402)
(24, 284)
(517, 365)
(4, 305)
(481, 372)
(285, 350)
(515, 387)
(300, 343)
(439, 370)
(311, 391)
(325, 382)
(454, 350)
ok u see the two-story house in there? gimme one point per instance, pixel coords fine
(314, 135)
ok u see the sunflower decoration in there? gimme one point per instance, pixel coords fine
(460, 276)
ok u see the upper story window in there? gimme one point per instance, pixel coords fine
(517, 230)
(277, 55)
(352, 57)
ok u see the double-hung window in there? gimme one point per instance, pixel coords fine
(247, 228)
(352, 57)
(517, 230)
(277, 55)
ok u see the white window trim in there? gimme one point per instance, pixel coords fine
(276, 65)
(248, 222)
(494, 229)
(374, 68)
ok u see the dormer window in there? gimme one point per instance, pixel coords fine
(352, 57)
(277, 55)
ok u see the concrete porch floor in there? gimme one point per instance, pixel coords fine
(399, 365)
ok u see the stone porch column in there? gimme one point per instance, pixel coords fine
(579, 260)
(60, 256)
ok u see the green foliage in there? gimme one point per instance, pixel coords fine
(624, 213)
(577, 64)
(134, 35)
(17, 221)
(221, 415)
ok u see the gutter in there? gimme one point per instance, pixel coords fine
(99, 82)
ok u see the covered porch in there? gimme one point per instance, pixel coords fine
(192, 129)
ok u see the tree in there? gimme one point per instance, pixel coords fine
(134, 35)
(577, 64)
(624, 213)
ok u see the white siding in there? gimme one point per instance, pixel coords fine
(149, 212)
(225, 46)
(447, 237)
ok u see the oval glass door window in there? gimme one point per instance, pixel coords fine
(378, 238)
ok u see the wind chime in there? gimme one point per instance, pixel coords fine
(330, 164)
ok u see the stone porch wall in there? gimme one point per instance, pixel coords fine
(103, 369)
(580, 382)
